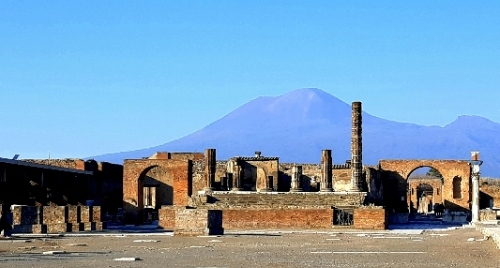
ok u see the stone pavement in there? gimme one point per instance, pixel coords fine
(414, 246)
(490, 230)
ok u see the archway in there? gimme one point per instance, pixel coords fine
(425, 198)
(397, 191)
(425, 190)
(154, 189)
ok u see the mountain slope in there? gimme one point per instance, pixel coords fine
(298, 125)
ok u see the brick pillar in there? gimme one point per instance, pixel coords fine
(326, 171)
(210, 163)
(237, 174)
(296, 179)
(356, 148)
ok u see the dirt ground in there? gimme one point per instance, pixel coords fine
(332, 248)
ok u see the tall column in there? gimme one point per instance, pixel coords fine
(237, 174)
(356, 148)
(296, 179)
(475, 174)
(210, 168)
(326, 171)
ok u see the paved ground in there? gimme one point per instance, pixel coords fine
(332, 248)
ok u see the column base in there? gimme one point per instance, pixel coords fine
(236, 189)
(296, 190)
(327, 190)
(266, 190)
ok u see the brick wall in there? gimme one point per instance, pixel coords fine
(166, 217)
(175, 175)
(269, 218)
(370, 218)
(396, 172)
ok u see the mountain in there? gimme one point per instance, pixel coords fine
(298, 125)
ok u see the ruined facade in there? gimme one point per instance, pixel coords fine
(194, 192)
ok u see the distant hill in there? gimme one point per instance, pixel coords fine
(298, 125)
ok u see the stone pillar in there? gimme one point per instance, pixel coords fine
(475, 174)
(475, 198)
(296, 179)
(210, 163)
(223, 184)
(326, 171)
(237, 175)
(356, 148)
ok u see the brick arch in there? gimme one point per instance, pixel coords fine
(399, 170)
(175, 174)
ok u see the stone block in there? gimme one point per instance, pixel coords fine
(54, 215)
(86, 213)
(26, 215)
(96, 214)
(57, 228)
(73, 214)
(193, 222)
(166, 218)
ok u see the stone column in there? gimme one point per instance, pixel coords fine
(210, 167)
(296, 179)
(237, 174)
(475, 174)
(475, 198)
(326, 171)
(356, 148)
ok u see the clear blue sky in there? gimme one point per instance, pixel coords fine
(81, 78)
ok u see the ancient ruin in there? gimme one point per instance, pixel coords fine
(194, 193)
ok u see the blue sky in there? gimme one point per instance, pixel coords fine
(82, 78)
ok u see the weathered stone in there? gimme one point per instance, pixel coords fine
(193, 222)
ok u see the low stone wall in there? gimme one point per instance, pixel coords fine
(370, 218)
(56, 219)
(243, 198)
(487, 215)
(274, 218)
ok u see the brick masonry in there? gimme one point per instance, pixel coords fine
(199, 221)
(166, 217)
(274, 218)
(173, 184)
(396, 173)
(370, 218)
